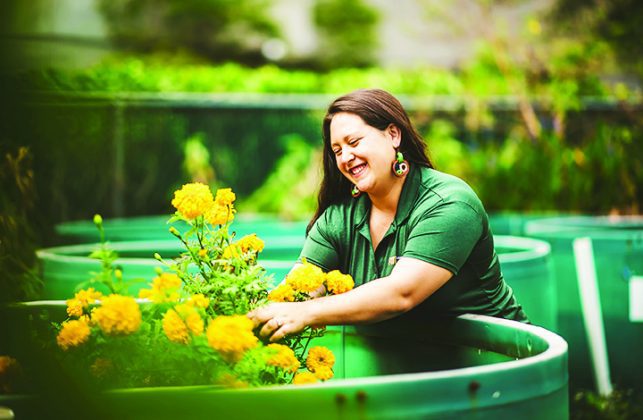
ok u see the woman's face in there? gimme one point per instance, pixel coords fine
(363, 153)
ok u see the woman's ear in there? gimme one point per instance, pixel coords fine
(395, 133)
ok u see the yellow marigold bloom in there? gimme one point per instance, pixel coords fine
(179, 322)
(199, 301)
(319, 357)
(193, 200)
(72, 334)
(220, 215)
(225, 197)
(164, 289)
(231, 336)
(282, 293)
(203, 253)
(10, 374)
(323, 373)
(231, 251)
(101, 367)
(283, 358)
(304, 378)
(118, 315)
(74, 308)
(337, 283)
(251, 243)
(305, 278)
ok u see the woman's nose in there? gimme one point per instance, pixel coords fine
(347, 156)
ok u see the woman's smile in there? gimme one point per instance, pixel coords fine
(358, 170)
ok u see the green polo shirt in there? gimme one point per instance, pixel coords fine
(439, 220)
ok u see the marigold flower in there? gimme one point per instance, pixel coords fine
(193, 200)
(225, 197)
(118, 315)
(179, 322)
(337, 283)
(323, 373)
(284, 358)
(303, 378)
(164, 289)
(305, 278)
(74, 308)
(251, 243)
(231, 336)
(220, 215)
(7, 364)
(319, 357)
(81, 300)
(199, 301)
(230, 252)
(10, 373)
(72, 334)
(282, 293)
(101, 367)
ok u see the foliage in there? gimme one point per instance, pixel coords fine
(18, 240)
(215, 29)
(619, 405)
(289, 189)
(191, 326)
(348, 33)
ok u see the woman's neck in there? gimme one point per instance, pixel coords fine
(387, 200)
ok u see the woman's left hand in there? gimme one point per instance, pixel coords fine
(279, 319)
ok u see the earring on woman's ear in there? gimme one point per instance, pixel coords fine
(400, 166)
(355, 192)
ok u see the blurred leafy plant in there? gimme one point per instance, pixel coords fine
(347, 31)
(18, 242)
(218, 30)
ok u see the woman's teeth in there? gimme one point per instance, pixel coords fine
(358, 169)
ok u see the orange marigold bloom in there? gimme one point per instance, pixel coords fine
(305, 278)
(231, 336)
(118, 315)
(74, 308)
(282, 293)
(193, 200)
(72, 334)
(284, 358)
(303, 378)
(81, 300)
(337, 283)
(319, 357)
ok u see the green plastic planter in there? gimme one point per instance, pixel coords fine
(618, 251)
(472, 367)
(513, 223)
(525, 264)
(527, 269)
(154, 228)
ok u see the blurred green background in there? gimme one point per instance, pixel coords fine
(108, 106)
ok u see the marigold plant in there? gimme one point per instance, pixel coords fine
(189, 325)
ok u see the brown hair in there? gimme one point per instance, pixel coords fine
(378, 109)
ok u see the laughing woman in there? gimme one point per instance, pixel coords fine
(417, 241)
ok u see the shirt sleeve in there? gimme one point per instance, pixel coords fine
(445, 236)
(320, 248)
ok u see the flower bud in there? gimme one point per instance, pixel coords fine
(157, 256)
(118, 273)
(98, 220)
(174, 231)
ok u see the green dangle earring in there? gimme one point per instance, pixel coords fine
(400, 166)
(355, 192)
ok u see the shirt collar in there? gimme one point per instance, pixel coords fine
(410, 191)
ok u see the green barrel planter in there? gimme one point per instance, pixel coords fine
(618, 252)
(472, 366)
(527, 269)
(524, 261)
(513, 223)
(154, 228)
